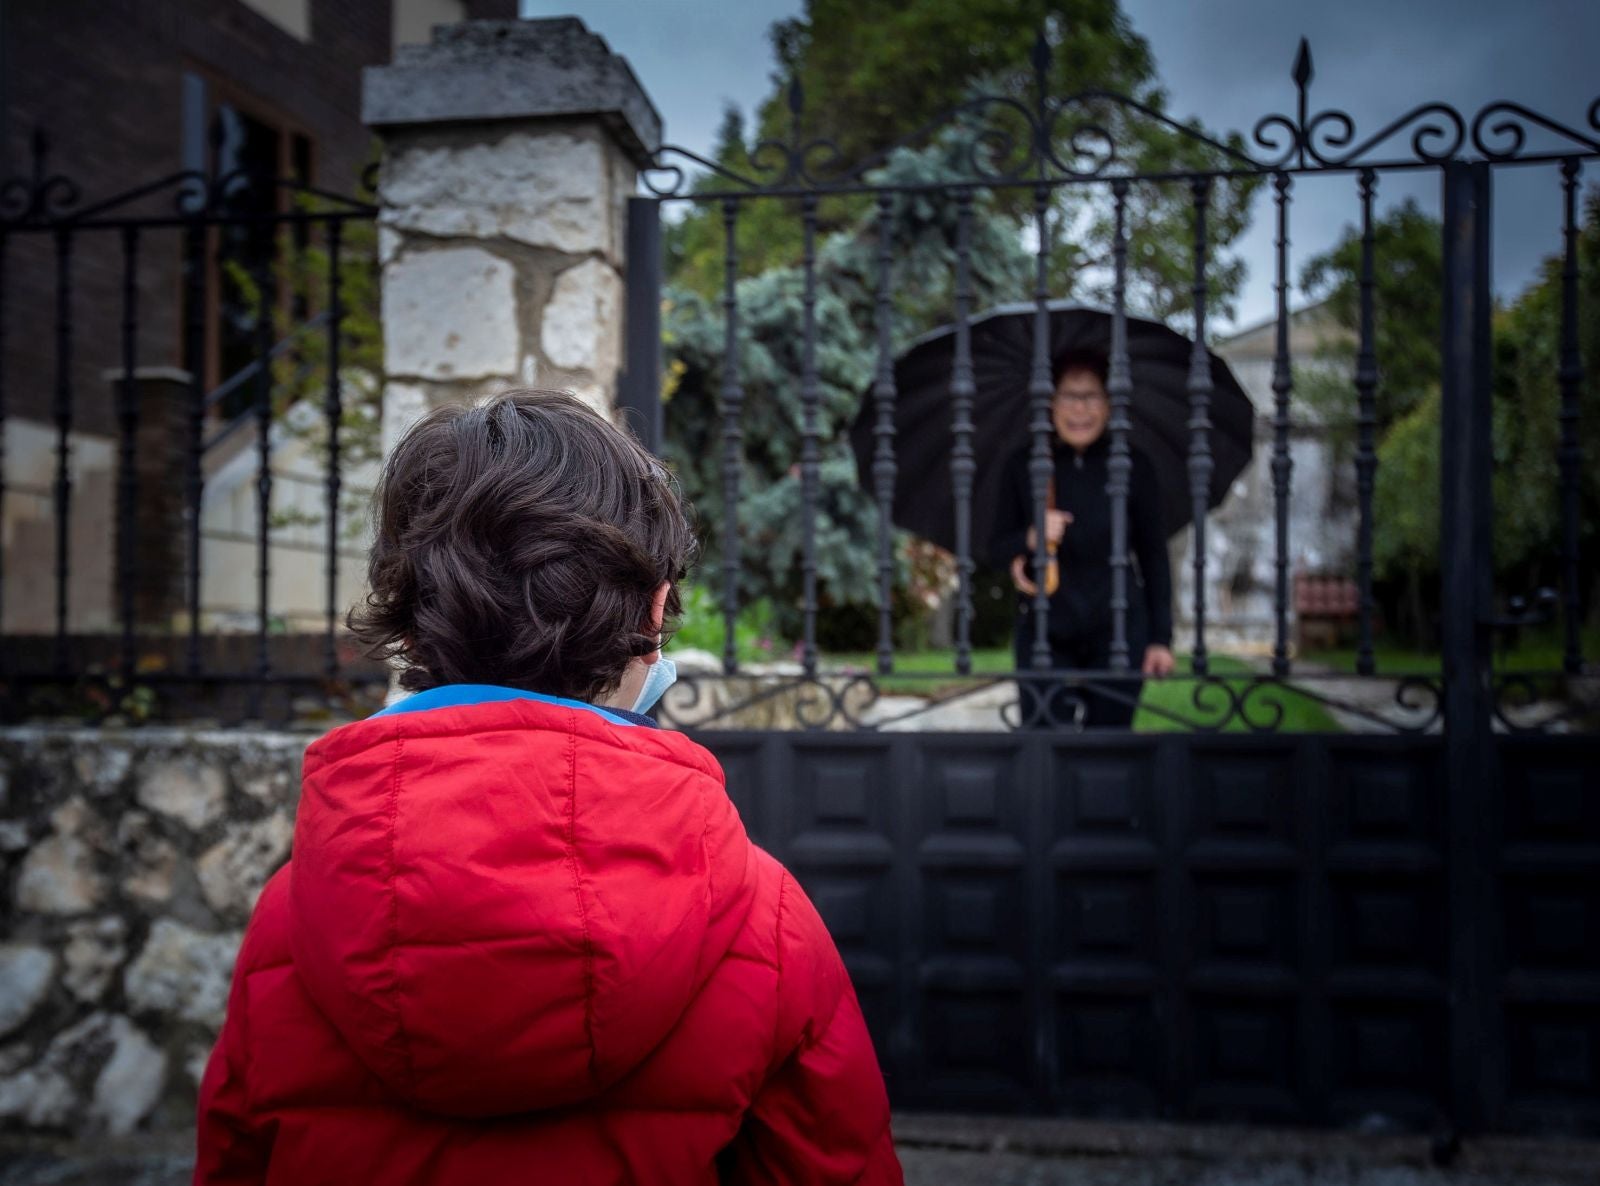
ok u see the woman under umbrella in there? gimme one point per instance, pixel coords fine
(1169, 372)
(1078, 534)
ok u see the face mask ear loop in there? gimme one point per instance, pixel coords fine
(662, 675)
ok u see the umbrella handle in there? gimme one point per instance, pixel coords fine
(1052, 572)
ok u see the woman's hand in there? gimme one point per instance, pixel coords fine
(1158, 661)
(1055, 526)
(1019, 576)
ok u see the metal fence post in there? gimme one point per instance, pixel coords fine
(1466, 533)
(639, 391)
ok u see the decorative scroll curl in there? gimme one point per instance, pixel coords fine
(41, 199)
(1053, 139)
(1545, 702)
(1506, 137)
(1062, 700)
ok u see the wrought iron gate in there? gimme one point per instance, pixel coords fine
(1264, 925)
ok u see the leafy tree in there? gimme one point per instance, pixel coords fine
(1408, 279)
(1527, 419)
(768, 233)
(874, 72)
(1526, 408)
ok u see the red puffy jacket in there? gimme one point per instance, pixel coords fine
(526, 941)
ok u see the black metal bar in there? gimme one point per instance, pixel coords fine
(334, 407)
(4, 242)
(639, 394)
(883, 467)
(195, 266)
(89, 218)
(86, 221)
(62, 410)
(1470, 771)
(1041, 461)
(1366, 428)
(963, 461)
(1282, 463)
(809, 399)
(1570, 452)
(732, 436)
(263, 411)
(1159, 177)
(1119, 386)
(1200, 461)
(128, 427)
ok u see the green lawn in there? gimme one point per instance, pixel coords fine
(912, 669)
(1164, 700)
(1166, 705)
(1535, 650)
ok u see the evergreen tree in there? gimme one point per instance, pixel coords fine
(770, 347)
(874, 73)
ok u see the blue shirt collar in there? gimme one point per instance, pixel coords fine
(461, 695)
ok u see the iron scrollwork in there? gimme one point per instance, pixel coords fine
(853, 700)
(1052, 139)
(41, 199)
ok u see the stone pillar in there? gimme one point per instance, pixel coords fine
(510, 149)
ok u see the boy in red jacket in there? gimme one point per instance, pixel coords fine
(523, 937)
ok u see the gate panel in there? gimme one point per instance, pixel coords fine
(1547, 948)
(977, 922)
(1242, 820)
(1220, 928)
(1383, 904)
(836, 821)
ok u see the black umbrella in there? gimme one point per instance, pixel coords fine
(1002, 364)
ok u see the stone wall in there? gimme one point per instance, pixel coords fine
(131, 863)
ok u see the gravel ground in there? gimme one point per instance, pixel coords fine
(981, 1151)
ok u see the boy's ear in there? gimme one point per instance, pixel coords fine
(658, 607)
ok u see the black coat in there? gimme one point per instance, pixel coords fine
(1081, 607)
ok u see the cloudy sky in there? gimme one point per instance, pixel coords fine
(1227, 62)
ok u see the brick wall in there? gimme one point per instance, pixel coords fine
(105, 80)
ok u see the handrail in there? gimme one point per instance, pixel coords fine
(243, 375)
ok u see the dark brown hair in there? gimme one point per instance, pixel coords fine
(1079, 360)
(518, 542)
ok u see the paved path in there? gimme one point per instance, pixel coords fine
(991, 1151)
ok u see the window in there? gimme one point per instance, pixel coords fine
(229, 136)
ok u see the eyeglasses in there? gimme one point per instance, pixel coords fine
(1080, 399)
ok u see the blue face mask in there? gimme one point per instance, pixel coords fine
(662, 675)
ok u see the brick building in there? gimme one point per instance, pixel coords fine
(124, 93)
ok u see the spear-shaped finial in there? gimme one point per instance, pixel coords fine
(1302, 74)
(1302, 65)
(1041, 61)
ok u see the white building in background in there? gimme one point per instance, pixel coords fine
(229, 521)
(1241, 535)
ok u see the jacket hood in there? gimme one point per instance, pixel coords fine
(507, 906)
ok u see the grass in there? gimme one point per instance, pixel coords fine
(910, 665)
(1165, 706)
(1175, 698)
(1540, 649)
